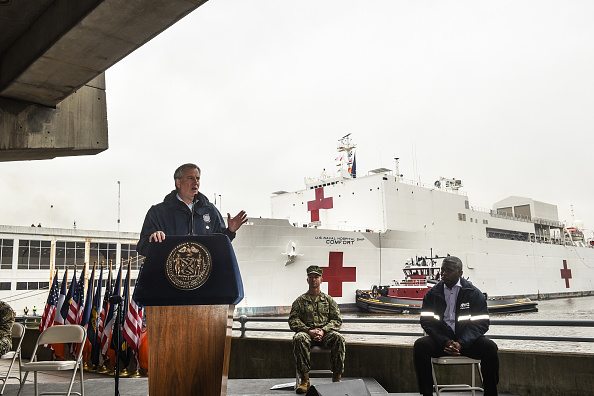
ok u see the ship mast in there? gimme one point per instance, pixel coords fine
(346, 159)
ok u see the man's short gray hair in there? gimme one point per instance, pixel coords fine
(179, 172)
(454, 260)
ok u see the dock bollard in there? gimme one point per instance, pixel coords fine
(243, 321)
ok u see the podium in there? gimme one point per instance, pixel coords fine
(189, 286)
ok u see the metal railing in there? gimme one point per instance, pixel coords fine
(245, 320)
(29, 320)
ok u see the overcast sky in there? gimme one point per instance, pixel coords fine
(499, 94)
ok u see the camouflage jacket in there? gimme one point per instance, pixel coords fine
(6, 321)
(309, 312)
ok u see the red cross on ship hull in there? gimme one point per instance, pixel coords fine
(335, 274)
(566, 273)
(319, 203)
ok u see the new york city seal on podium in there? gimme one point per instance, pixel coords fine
(188, 265)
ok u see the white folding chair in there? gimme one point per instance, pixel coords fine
(454, 360)
(58, 335)
(18, 333)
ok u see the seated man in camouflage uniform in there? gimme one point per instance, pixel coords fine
(314, 318)
(6, 321)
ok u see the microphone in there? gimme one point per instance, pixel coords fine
(115, 299)
(194, 202)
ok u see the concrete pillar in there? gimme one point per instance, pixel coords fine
(75, 126)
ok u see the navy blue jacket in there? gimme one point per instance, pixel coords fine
(472, 316)
(173, 217)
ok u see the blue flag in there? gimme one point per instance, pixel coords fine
(64, 310)
(93, 331)
(124, 353)
(86, 313)
(80, 296)
(58, 316)
(109, 318)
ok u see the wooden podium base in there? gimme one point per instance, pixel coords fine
(188, 349)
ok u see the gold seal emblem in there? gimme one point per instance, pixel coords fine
(188, 265)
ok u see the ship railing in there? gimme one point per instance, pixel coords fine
(413, 282)
(245, 321)
(518, 217)
(504, 215)
(431, 186)
(552, 223)
(482, 210)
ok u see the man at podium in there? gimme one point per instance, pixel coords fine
(185, 211)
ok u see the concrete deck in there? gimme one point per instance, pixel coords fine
(102, 385)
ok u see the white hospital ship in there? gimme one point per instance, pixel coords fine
(361, 230)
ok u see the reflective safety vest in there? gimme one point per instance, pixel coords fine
(472, 317)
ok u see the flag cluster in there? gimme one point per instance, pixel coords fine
(73, 308)
(352, 166)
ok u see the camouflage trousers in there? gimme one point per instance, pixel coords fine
(332, 340)
(5, 344)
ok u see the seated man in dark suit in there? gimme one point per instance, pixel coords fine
(455, 317)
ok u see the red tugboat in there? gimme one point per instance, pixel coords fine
(420, 274)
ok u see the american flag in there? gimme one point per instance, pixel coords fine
(47, 320)
(133, 321)
(81, 297)
(133, 327)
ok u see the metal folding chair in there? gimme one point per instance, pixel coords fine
(18, 333)
(317, 349)
(451, 360)
(58, 335)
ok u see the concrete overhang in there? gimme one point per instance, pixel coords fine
(51, 48)
(53, 54)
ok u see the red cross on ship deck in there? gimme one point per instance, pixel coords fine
(566, 273)
(335, 274)
(319, 203)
